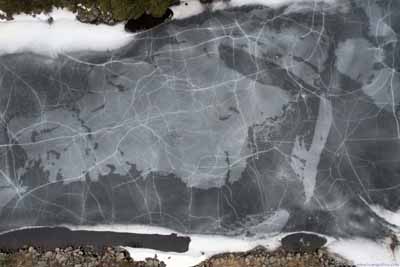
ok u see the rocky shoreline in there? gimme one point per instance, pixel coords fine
(118, 257)
(73, 257)
(261, 257)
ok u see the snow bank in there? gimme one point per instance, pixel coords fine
(65, 34)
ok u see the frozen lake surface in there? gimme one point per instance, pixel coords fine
(236, 121)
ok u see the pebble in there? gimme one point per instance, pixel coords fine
(60, 258)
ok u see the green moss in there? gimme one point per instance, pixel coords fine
(5, 260)
(120, 9)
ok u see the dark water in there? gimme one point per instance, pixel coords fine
(49, 238)
(250, 120)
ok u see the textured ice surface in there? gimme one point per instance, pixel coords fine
(250, 120)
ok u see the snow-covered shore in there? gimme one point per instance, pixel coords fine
(26, 33)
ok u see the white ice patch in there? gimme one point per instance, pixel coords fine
(305, 161)
(65, 34)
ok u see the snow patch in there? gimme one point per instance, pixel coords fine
(65, 34)
(364, 252)
(187, 9)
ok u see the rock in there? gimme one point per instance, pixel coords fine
(120, 257)
(303, 242)
(152, 263)
(60, 258)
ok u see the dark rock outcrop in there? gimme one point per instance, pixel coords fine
(147, 21)
(303, 242)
